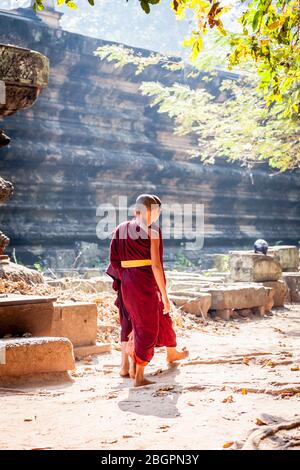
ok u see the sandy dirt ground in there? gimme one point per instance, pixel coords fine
(242, 378)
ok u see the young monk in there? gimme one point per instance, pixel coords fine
(136, 265)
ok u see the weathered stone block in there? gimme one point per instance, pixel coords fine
(280, 291)
(197, 304)
(287, 256)
(237, 297)
(76, 321)
(26, 356)
(293, 283)
(253, 267)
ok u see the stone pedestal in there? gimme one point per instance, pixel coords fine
(252, 267)
(23, 75)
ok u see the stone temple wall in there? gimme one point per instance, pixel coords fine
(92, 137)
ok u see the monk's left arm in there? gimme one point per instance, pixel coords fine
(158, 271)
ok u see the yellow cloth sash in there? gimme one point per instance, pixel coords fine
(136, 263)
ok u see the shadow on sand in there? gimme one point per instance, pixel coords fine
(159, 399)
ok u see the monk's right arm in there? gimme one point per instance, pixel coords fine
(159, 273)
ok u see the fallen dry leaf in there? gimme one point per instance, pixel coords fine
(110, 442)
(259, 422)
(270, 364)
(228, 444)
(228, 399)
(294, 368)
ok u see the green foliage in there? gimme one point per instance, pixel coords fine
(37, 265)
(240, 128)
(268, 36)
(122, 55)
(181, 262)
(39, 4)
(145, 4)
(265, 48)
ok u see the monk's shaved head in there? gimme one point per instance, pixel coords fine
(158, 201)
(147, 200)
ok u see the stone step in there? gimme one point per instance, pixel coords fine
(253, 267)
(30, 356)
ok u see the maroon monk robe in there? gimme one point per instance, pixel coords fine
(139, 296)
(114, 270)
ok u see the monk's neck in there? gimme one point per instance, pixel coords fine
(141, 223)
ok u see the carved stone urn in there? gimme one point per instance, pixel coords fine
(23, 75)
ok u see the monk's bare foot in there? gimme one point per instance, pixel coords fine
(143, 381)
(124, 372)
(132, 370)
(174, 355)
